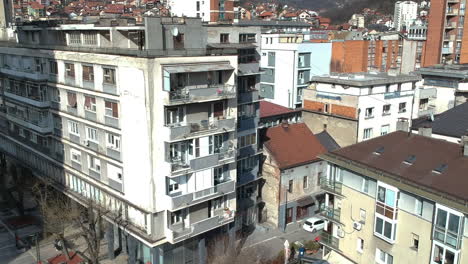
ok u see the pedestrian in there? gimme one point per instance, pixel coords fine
(293, 253)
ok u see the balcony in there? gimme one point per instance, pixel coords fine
(447, 50)
(248, 97)
(250, 68)
(453, 1)
(452, 12)
(331, 214)
(201, 93)
(426, 112)
(428, 93)
(29, 74)
(248, 150)
(330, 185)
(248, 123)
(451, 25)
(31, 100)
(329, 240)
(177, 132)
(189, 199)
(178, 234)
(41, 126)
(450, 37)
(225, 156)
(245, 177)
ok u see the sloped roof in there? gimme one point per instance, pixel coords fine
(429, 154)
(293, 145)
(327, 141)
(268, 109)
(453, 122)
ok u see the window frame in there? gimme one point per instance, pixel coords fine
(72, 126)
(88, 76)
(75, 152)
(109, 78)
(70, 70)
(89, 134)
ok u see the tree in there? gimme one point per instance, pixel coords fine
(58, 212)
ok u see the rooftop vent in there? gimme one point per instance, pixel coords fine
(410, 159)
(379, 151)
(440, 169)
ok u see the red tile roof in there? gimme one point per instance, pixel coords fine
(293, 145)
(74, 259)
(265, 14)
(270, 109)
(36, 5)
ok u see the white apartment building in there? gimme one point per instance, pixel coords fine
(289, 61)
(357, 107)
(207, 10)
(146, 129)
(405, 13)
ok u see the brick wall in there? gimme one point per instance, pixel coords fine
(464, 47)
(349, 56)
(314, 106)
(434, 33)
(345, 111)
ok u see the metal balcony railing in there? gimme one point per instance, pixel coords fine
(202, 93)
(330, 213)
(186, 130)
(330, 185)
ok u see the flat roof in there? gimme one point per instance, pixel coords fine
(365, 79)
(454, 71)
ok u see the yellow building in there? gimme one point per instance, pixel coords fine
(399, 198)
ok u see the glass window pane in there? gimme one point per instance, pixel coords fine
(441, 218)
(438, 254)
(378, 225)
(449, 257)
(389, 259)
(390, 198)
(381, 194)
(454, 222)
(388, 230)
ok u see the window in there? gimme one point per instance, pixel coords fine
(34, 138)
(384, 130)
(89, 38)
(246, 164)
(114, 173)
(70, 70)
(247, 140)
(360, 245)
(386, 109)
(73, 127)
(218, 203)
(71, 97)
(173, 186)
(362, 216)
(178, 41)
(74, 38)
(305, 182)
(402, 108)
(88, 73)
(448, 227)
(113, 141)
(386, 212)
(38, 65)
(370, 112)
(94, 163)
(224, 38)
(21, 132)
(415, 241)
(218, 174)
(112, 109)
(326, 108)
(290, 186)
(53, 68)
(75, 155)
(367, 133)
(443, 255)
(90, 103)
(176, 217)
(423, 104)
(91, 134)
(109, 76)
(382, 257)
(198, 5)
(247, 38)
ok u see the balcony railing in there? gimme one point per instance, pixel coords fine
(447, 50)
(426, 112)
(201, 93)
(32, 100)
(330, 213)
(202, 195)
(176, 235)
(330, 185)
(247, 97)
(452, 12)
(224, 156)
(205, 126)
(329, 240)
(427, 93)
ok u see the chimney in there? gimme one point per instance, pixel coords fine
(464, 142)
(425, 131)
(402, 125)
(284, 124)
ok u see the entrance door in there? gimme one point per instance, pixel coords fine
(289, 215)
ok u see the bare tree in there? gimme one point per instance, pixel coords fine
(59, 212)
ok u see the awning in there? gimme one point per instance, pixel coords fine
(308, 200)
(199, 67)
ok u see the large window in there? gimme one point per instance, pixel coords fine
(88, 73)
(367, 133)
(448, 227)
(386, 212)
(247, 140)
(224, 38)
(247, 164)
(70, 70)
(112, 109)
(73, 127)
(247, 38)
(109, 76)
(382, 257)
(72, 100)
(113, 141)
(94, 163)
(90, 103)
(91, 134)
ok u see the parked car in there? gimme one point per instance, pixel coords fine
(314, 224)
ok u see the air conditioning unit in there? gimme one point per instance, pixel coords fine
(357, 226)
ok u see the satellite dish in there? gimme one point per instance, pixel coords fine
(175, 31)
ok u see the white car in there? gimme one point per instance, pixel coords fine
(314, 224)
